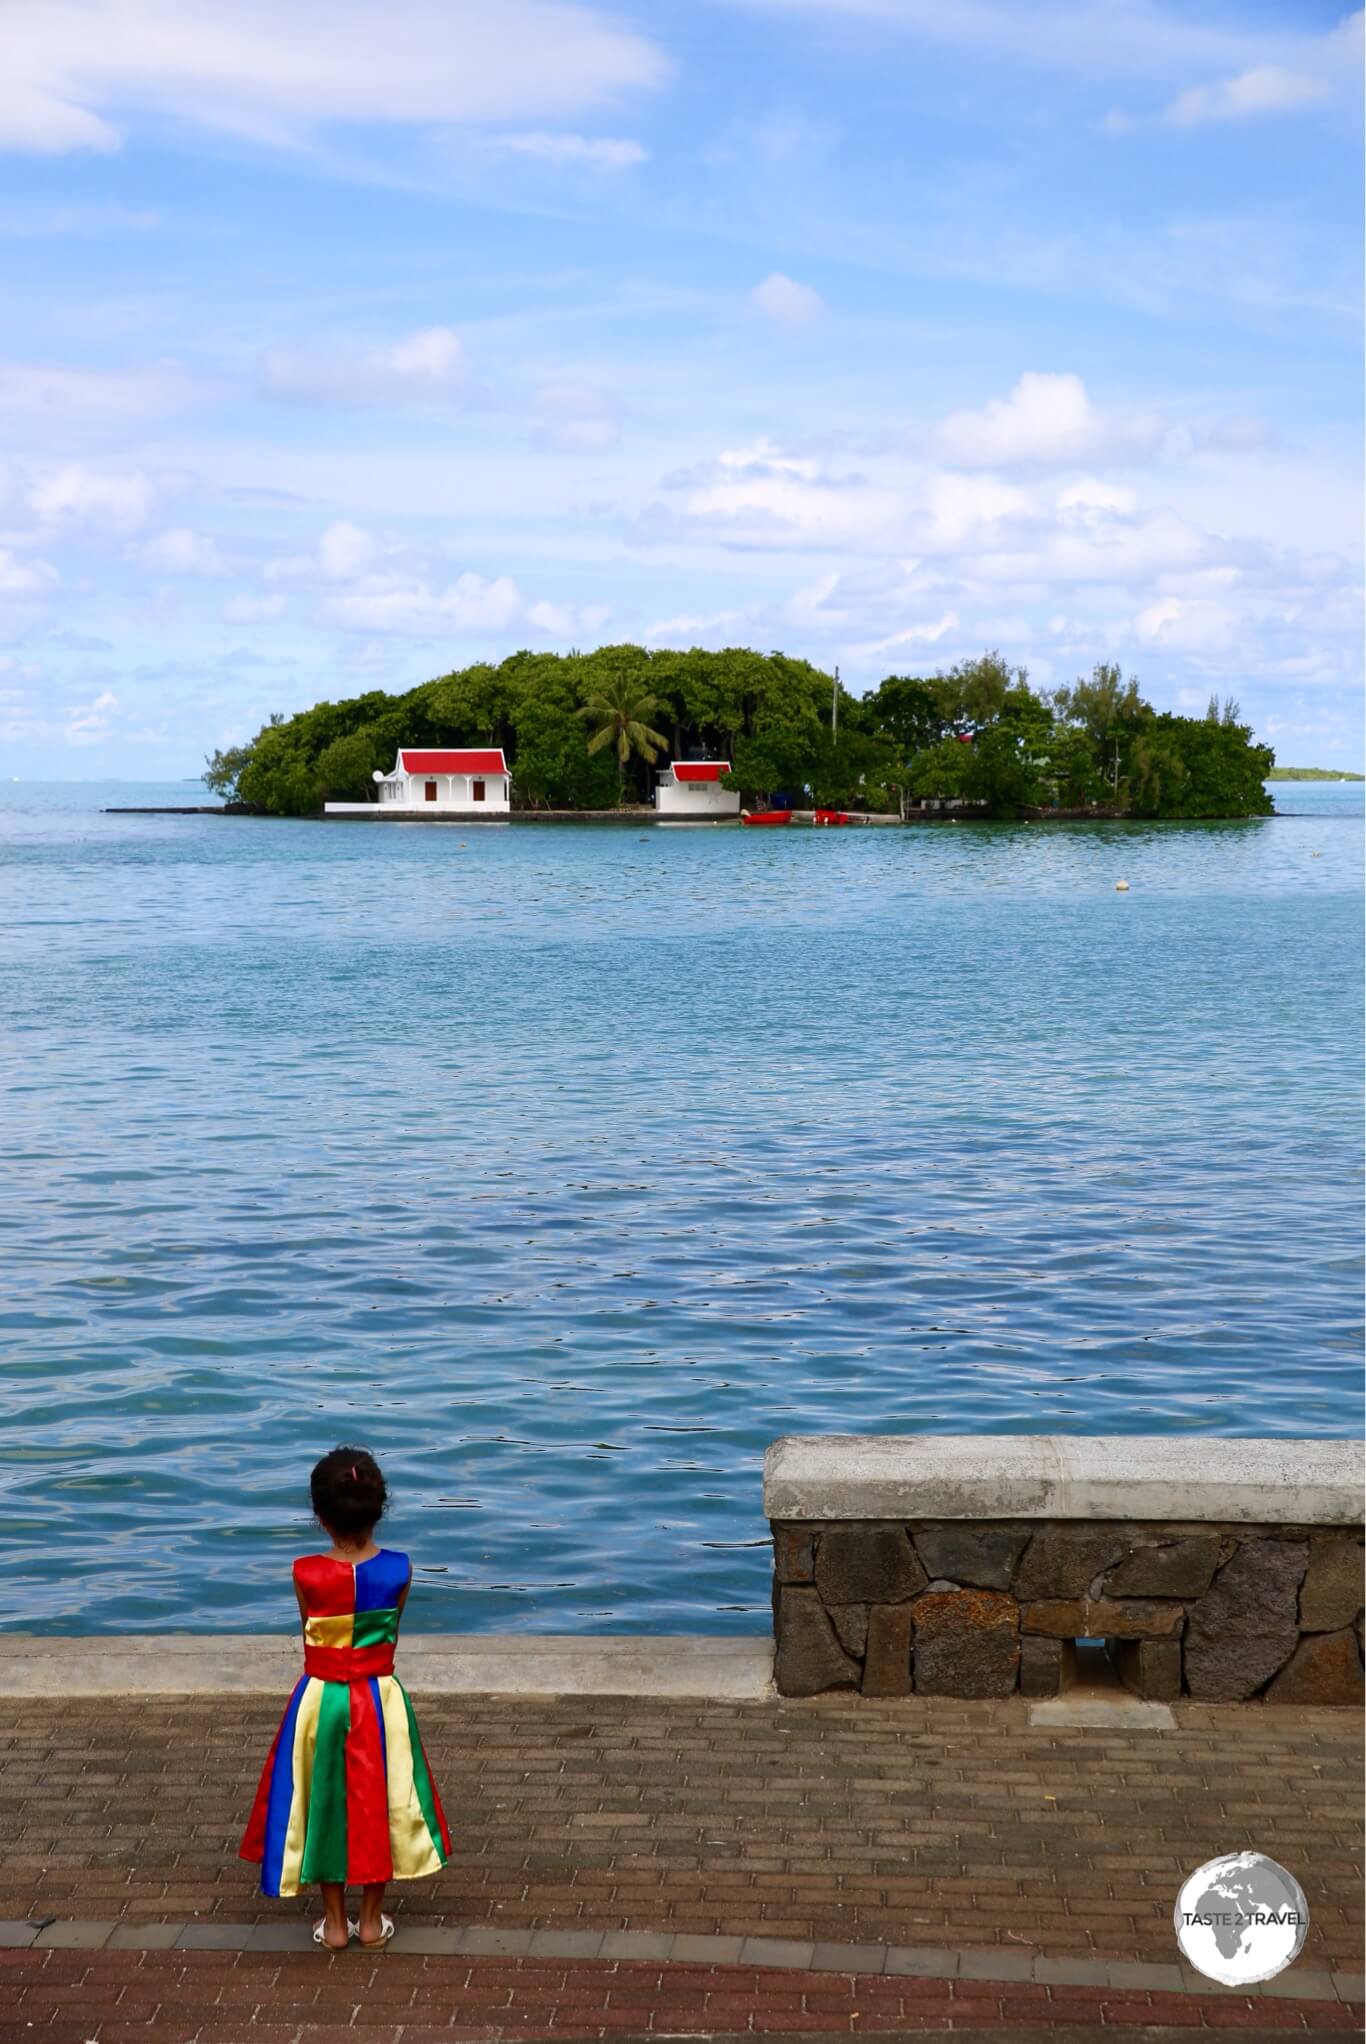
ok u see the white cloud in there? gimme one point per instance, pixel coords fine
(1090, 500)
(571, 152)
(782, 299)
(88, 723)
(1047, 420)
(568, 620)
(427, 366)
(344, 550)
(1191, 626)
(182, 552)
(252, 610)
(24, 578)
(576, 418)
(44, 395)
(78, 72)
(757, 496)
(470, 604)
(963, 508)
(78, 496)
(1265, 89)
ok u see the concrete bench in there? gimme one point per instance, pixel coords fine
(971, 1565)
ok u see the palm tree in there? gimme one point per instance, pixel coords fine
(619, 711)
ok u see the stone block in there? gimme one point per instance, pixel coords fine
(867, 1565)
(1331, 1593)
(1149, 1667)
(1246, 1626)
(887, 1664)
(967, 1643)
(809, 1657)
(1063, 1561)
(794, 1554)
(1103, 1618)
(982, 1557)
(1324, 1668)
(1169, 1568)
(851, 1627)
(1047, 1666)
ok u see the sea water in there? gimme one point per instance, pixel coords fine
(567, 1167)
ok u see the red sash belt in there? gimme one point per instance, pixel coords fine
(349, 1664)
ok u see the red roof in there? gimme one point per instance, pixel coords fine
(700, 769)
(466, 762)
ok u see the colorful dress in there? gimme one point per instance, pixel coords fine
(346, 1793)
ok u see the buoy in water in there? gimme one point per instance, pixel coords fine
(1121, 887)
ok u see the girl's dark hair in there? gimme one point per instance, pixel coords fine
(348, 1491)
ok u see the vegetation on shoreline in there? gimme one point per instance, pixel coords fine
(587, 731)
(1312, 774)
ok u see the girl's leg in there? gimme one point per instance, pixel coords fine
(334, 1907)
(371, 1903)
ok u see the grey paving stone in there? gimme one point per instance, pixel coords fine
(637, 1944)
(214, 1937)
(74, 1934)
(483, 1940)
(427, 1937)
(994, 1965)
(565, 1944)
(144, 1937)
(1156, 1977)
(1305, 1983)
(703, 1950)
(17, 1936)
(929, 1962)
(1350, 1986)
(831, 1958)
(280, 1937)
(775, 1952)
(1072, 1972)
(1193, 1981)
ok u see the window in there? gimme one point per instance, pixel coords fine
(431, 791)
(476, 791)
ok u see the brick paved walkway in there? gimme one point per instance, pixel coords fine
(218, 1997)
(923, 1822)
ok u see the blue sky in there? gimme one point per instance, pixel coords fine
(349, 342)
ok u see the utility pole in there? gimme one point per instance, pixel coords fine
(835, 706)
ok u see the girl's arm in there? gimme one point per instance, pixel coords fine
(403, 1593)
(303, 1608)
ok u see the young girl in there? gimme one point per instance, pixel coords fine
(346, 1794)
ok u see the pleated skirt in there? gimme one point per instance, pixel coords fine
(346, 1793)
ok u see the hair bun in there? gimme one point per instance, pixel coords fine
(348, 1491)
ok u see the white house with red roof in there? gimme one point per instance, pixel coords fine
(691, 792)
(466, 781)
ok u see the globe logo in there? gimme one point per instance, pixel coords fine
(1241, 1919)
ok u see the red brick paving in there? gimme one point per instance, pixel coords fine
(925, 1821)
(296, 1998)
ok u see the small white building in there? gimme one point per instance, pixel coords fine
(465, 781)
(691, 792)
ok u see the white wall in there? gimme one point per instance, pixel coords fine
(452, 792)
(696, 798)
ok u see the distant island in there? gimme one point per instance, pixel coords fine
(1281, 773)
(589, 731)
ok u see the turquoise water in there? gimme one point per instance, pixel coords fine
(567, 1167)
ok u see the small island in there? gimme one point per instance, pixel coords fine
(592, 733)
(1281, 773)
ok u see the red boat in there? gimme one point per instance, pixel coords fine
(830, 816)
(769, 816)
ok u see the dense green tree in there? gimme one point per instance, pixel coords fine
(978, 733)
(617, 711)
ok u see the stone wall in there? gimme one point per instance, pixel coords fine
(1219, 1609)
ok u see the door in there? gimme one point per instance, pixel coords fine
(476, 791)
(431, 791)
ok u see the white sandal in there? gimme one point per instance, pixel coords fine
(320, 1934)
(386, 1931)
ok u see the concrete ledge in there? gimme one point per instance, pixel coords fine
(1063, 1476)
(436, 1664)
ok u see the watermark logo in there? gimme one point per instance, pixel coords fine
(1241, 1919)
